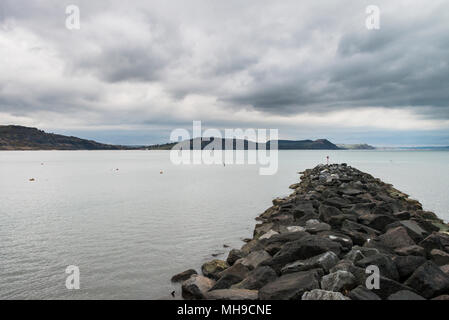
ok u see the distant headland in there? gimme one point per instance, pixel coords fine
(14, 137)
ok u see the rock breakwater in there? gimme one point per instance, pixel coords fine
(322, 241)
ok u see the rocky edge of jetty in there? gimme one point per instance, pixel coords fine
(322, 241)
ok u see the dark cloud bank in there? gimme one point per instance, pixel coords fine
(151, 66)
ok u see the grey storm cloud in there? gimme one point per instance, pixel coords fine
(277, 57)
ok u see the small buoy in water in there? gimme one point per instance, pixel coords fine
(32, 179)
(173, 294)
(42, 163)
(161, 172)
(327, 159)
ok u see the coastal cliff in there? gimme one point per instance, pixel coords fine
(327, 240)
(25, 138)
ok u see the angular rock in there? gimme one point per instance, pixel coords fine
(212, 268)
(384, 208)
(406, 265)
(252, 245)
(183, 275)
(362, 208)
(402, 215)
(326, 212)
(232, 294)
(262, 228)
(196, 286)
(338, 281)
(405, 295)
(257, 278)
(286, 237)
(362, 293)
(234, 255)
(386, 286)
(377, 221)
(226, 281)
(436, 240)
(273, 248)
(304, 209)
(237, 269)
(304, 248)
(429, 280)
(439, 257)
(344, 265)
(385, 264)
(317, 294)
(396, 238)
(324, 261)
(339, 203)
(254, 259)
(337, 221)
(230, 276)
(290, 286)
(354, 255)
(413, 229)
(353, 226)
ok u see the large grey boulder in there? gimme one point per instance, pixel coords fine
(338, 281)
(396, 238)
(254, 259)
(327, 212)
(324, 261)
(377, 221)
(305, 248)
(362, 293)
(412, 227)
(257, 278)
(196, 286)
(234, 255)
(230, 276)
(290, 286)
(429, 280)
(406, 265)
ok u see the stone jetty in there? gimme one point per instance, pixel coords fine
(341, 235)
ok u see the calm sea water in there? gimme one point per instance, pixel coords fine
(129, 230)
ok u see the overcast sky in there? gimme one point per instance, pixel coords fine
(138, 69)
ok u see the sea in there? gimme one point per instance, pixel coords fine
(129, 220)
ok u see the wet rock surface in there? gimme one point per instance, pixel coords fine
(317, 243)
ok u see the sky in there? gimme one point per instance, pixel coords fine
(136, 70)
